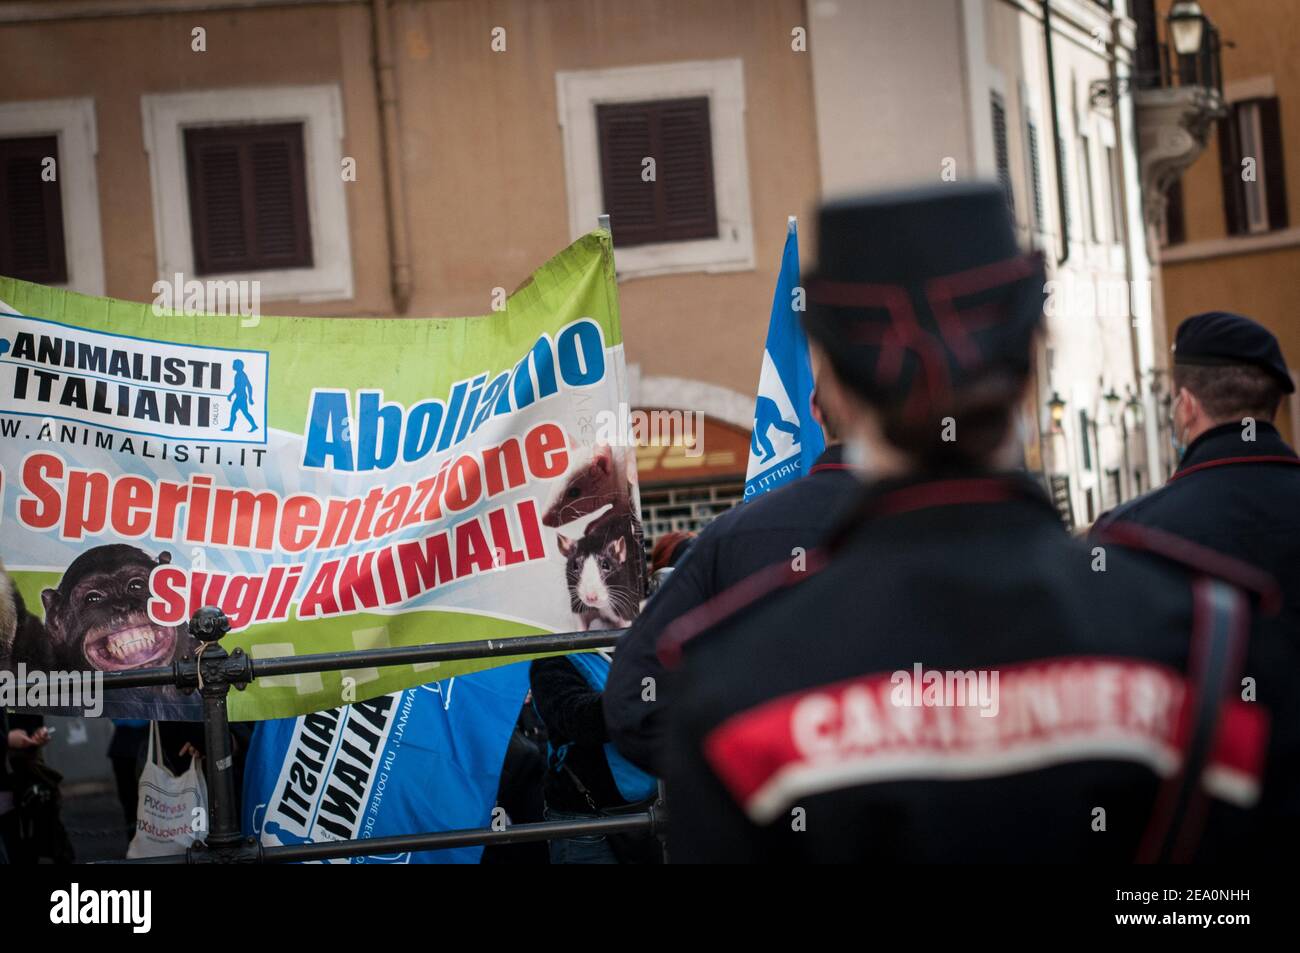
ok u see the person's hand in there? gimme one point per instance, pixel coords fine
(189, 749)
(40, 736)
(19, 739)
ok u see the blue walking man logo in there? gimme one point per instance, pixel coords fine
(242, 396)
(766, 417)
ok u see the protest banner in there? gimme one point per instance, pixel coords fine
(331, 483)
(425, 759)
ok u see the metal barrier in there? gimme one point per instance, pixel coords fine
(214, 670)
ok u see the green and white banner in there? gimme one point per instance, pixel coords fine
(330, 483)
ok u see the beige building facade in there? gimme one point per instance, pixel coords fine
(479, 145)
(448, 147)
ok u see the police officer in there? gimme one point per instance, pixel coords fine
(773, 528)
(1237, 486)
(1237, 491)
(955, 678)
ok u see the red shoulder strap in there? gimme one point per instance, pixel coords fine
(1201, 559)
(732, 600)
(1233, 461)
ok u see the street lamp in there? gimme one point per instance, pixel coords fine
(1056, 407)
(1112, 400)
(1134, 404)
(1186, 27)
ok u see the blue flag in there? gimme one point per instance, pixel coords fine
(786, 440)
(426, 759)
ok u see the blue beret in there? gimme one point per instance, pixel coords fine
(1218, 338)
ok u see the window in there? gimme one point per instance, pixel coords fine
(49, 196)
(1087, 197)
(1114, 176)
(1035, 173)
(1175, 223)
(246, 182)
(1063, 499)
(248, 198)
(1252, 131)
(690, 118)
(1000, 151)
(677, 202)
(1085, 428)
(31, 242)
(1115, 483)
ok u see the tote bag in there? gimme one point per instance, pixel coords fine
(167, 805)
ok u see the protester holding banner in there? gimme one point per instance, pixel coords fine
(30, 828)
(586, 777)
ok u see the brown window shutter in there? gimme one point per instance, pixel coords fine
(626, 138)
(686, 170)
(679, 204)
(1270, 123)
(31, 238)
(1234, 211)
(248, 198)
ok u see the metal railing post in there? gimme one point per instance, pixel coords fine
(224, 842)
(208, 626)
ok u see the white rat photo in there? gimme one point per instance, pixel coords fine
(604, 561)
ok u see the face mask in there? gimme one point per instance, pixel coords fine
(857, 456)
(1179, 445)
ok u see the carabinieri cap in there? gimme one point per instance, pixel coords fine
(1221, 338)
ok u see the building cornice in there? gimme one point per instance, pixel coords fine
(1229, 246)
(42, 11)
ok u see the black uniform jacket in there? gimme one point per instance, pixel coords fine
(735, 545)
(809, 725)
(1242, 497)
(1239, 497)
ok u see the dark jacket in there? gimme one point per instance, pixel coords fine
(1237, 497)
(737, 544)
(789, 743)
(570, 709)
(1242, 498)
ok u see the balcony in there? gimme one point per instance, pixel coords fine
(1178, 96)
